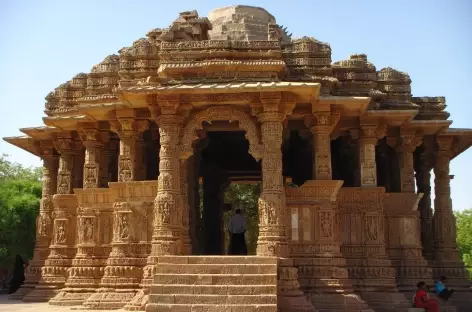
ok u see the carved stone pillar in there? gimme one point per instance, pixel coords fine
(93, 157)
(423, 184)
(94, 207)
(62, 249)
(186, 242)
(167, 206)
(129, 131)
(446, 254)
(370, 134)
(409, 141)
(168, 218)
(273, 217)
(322, 146)
(44, 221)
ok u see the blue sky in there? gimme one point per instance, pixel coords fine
(45, 43)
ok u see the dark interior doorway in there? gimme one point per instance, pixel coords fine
(223, 161)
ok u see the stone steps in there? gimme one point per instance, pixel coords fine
(210, 308)
(215, 279)
(214, 283)
(214, 299)
(216, 260)
(212, 269)
(214, 289)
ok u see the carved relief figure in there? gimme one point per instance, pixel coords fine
(61, 234)
(123, 226)
(326, 229)
(164, 212)
(372, 228)
(88, 230)
(43, 226)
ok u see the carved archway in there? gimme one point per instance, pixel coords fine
(219, 113)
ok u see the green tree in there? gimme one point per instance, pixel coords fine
(245, 196)
(20, 193)
(464, 237)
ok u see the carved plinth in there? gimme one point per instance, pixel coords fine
(62, 250)
(404, 241)
(362, 239)
(315, 241)
(93, 247)
(130, 246)
(289, 295)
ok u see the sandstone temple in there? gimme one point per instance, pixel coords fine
(342, 150)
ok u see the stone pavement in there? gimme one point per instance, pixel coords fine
(20, 306)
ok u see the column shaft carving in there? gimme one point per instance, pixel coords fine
(44, 221)
(322, 146)
(167, 205)
(272, 208)
(129, 131)
(409, 141)
(186, 242)
(93, 158)
(66, 165)
(367, 165)
(446, 254)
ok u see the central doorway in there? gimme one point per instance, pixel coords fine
(229, 177)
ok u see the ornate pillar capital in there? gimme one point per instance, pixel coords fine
(410, 139)
(168, 104)
(373, 132)
(444, 143)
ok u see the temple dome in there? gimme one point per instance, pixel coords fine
(240, 22)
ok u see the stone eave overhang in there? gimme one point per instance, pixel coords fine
(26, 143)
(350, 105)
(428, 127)
(304, 92)
(41, 133)
(462, 139)
(67, 123)
(393, 118)
(101, 111)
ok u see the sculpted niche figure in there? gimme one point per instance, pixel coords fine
(88, 230)
(326, 224)
(123, 227)
(43, 226)
(61, 234)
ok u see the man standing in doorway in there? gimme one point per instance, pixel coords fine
(237, 229)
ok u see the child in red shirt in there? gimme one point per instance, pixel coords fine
(421, 299)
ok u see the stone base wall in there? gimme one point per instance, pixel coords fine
(348, 248)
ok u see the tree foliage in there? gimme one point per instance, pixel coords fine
(464, 237)
(245, 196)
(20, 193)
